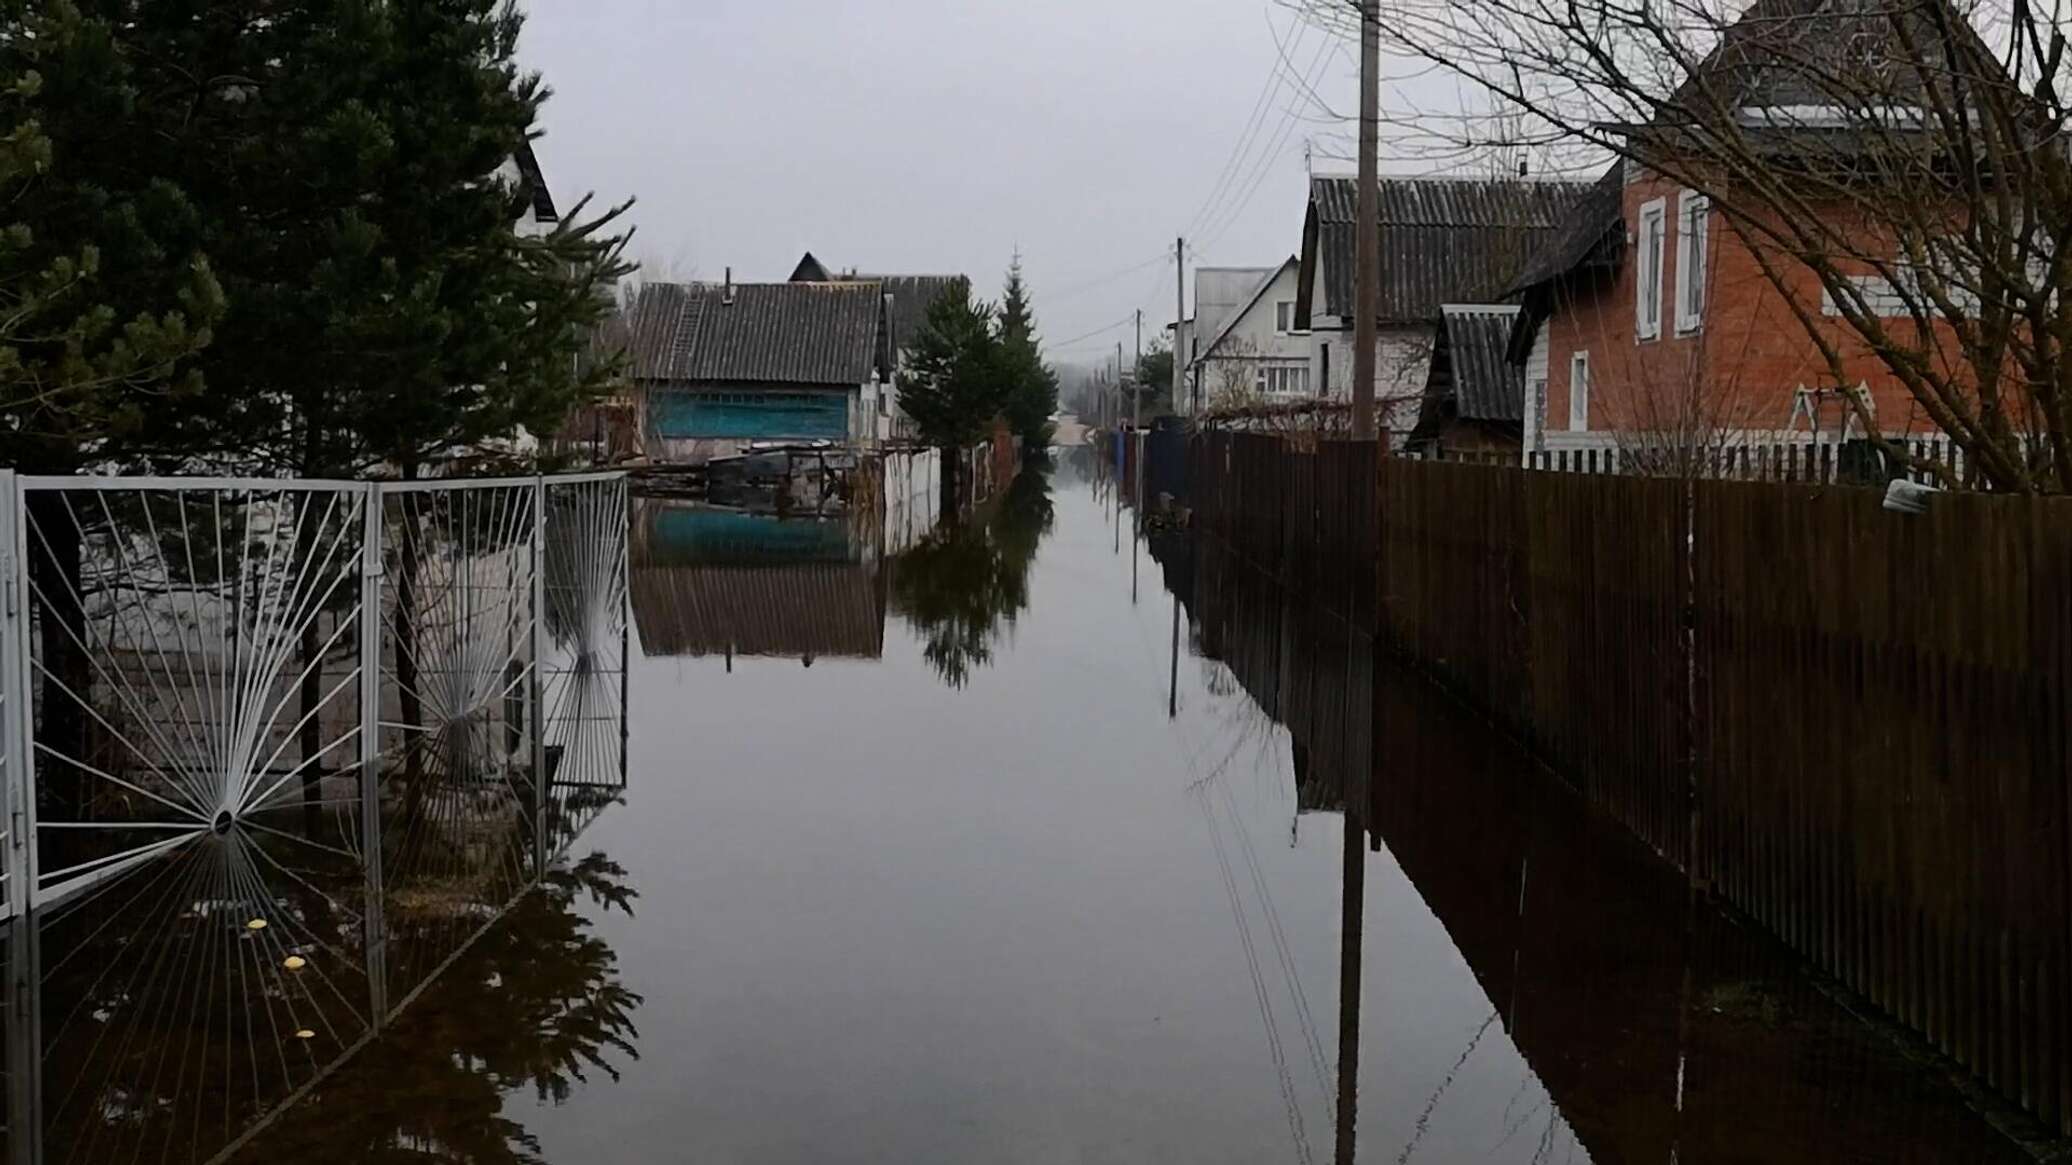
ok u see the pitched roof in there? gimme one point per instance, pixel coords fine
(809, 270)
(1485, 386)
(759, 333)
(1469, 369)
(912, 295)
(1250, 301)
(1220, 293)
(1588, 236)
(1443, 240)
(532, 183)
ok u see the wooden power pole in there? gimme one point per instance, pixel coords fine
(1179, 316)
(1367, 225)
(1139, 366)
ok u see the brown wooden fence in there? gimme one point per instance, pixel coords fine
(1851, 724)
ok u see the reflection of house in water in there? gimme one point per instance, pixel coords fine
(722, 582)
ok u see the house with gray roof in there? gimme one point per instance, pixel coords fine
(1474, 396)
(1443, 241)
(1243, 347)
(907, 300)
(722, 367)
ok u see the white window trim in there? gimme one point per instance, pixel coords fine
(1579, 392)
(1278, 330)
(1644, 297)
(1694, 259)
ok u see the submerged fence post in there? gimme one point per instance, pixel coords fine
(17, 789)
(376, 937)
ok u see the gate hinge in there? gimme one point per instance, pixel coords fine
(11, 586)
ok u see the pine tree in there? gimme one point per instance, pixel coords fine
(1032, 387)
(383, 314)
(104, 296)
(957, 384)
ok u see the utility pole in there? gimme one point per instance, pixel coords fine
(1179, 314)
(1140, 367)
(1121, 380)
(1367, 224)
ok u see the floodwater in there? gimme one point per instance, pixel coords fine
(1027, 840)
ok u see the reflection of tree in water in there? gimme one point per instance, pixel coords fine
(961, 582)
(535, 1003)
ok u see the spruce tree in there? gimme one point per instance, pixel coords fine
(1032, 388)
(957, 384)
(104, 294)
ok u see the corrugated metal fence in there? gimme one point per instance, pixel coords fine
(1850, 723)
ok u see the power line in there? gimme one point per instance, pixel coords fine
(1264, 168)
(1123, 322)
(1234, 165)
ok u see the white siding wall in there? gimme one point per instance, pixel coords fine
(1536, 390)
(1253, 342)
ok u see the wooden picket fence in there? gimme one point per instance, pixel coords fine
(1822, 462)
(1854, 725)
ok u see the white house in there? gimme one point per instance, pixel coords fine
(1246, 344)
(1443, 241)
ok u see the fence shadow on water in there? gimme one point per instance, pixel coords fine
(1848, 724)
(282, 752)
(1661, 1026)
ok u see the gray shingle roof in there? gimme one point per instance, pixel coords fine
(771, 333)
(1443, 240)
(1590, 236)
(911, 297)
(1470, 358)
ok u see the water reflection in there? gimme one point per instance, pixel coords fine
(712, 582)
(1654, 1026)
(962, 586)
(535, 1006)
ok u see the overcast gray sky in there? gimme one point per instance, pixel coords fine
(937, 135)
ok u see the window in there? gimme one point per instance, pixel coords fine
(1648, 271)
(1693, 214)
(1284, 380)
(1284, 317)
(1579, 392)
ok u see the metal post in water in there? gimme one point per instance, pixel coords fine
(534, 689)
(375, 937)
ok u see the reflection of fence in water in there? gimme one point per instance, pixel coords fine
(218, 720)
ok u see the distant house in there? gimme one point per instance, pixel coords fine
(1443, 241)
(1242, 342)
(723, 366)
(1648, 315)
(1474, 396)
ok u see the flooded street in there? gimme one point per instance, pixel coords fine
(949, 855)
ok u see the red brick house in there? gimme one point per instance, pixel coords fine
(1650, 312)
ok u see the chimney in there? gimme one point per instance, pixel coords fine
(726, 296)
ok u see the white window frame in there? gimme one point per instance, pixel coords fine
(1284, 321)
(1647, 284)
(1579, 392)
(1693, 259)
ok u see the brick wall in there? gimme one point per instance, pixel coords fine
(1746, 360)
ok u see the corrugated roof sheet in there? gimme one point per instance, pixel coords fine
(826, 610)
(1590, 236)
(1484, 385)
(770, 333)
(911, 297)
(1443, 240)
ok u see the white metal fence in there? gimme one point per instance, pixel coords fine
(273, 753)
